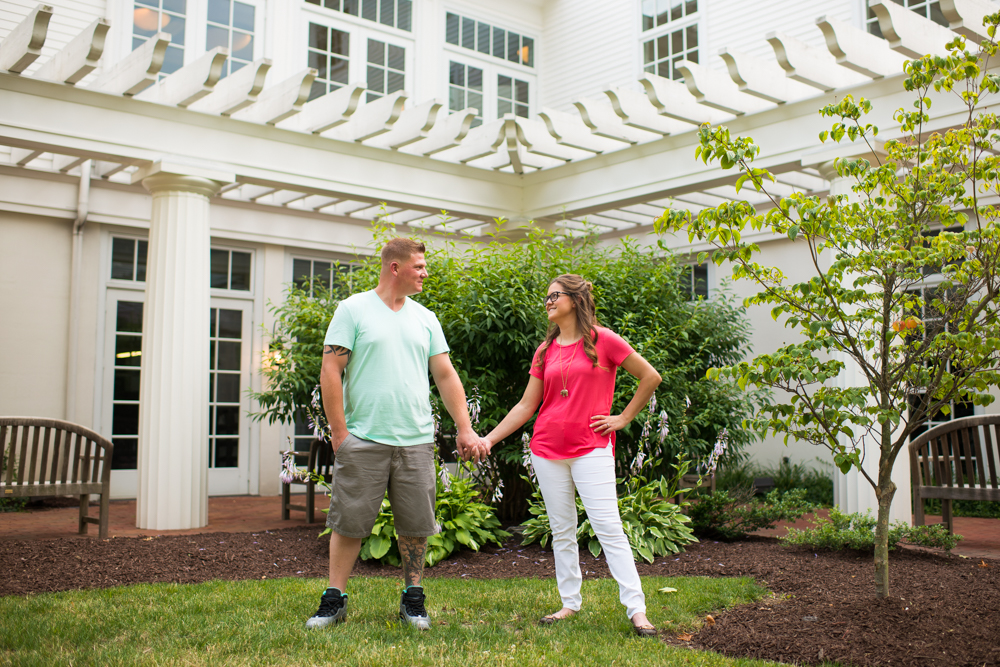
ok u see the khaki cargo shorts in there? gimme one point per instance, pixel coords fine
(362, 472)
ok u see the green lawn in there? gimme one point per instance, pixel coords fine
(489, 623)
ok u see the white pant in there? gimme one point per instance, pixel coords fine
(593, 475)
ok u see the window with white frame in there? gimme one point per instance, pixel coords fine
(307, 273)
(128, 259)
(231, 25)
(329, 55)
(230, 269)
(465, 89)
(929, 9)
(694, 281)
(512, 96)
(669, 35)
(489, 40)
(386, 68)
(393, 13)
(152, 16)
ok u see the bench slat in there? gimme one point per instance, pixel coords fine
(64, 456)
(27, 490)
(43, 465)
(990, 447)
(6, 453)
(981, 452)
(22, 460)
(33, 458)
(954, 493)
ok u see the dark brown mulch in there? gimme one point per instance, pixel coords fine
(943, 610)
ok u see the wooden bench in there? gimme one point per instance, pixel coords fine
(955, 461)
(48, 457)
(319, 459)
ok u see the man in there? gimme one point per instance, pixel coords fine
(376, 394)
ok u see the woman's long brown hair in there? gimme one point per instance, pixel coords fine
(581, 291)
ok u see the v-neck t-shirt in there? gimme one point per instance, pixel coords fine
(562, 429)
(386, 381)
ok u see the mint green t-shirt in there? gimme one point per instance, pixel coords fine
(386, 383)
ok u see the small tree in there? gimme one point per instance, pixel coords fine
(916, 214)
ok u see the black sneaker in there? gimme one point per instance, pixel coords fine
(412, 610)
(332, 609)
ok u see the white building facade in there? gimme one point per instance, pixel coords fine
(167, 167)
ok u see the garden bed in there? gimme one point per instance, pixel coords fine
(943, 609)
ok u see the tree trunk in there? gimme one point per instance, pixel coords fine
(884, 492)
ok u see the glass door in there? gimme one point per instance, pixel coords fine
(122, 370)
(228, 379)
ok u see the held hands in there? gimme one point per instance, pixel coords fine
(605, 424)
(471, 447)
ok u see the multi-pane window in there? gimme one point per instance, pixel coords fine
(694, 281)
(125, 399)
(225, 353)
(934, 323)
(307, 273)
(386, 68)
(929, 9)
(656, 13)
(489, 40)
(512, 96)
(230, 270)
(394, 13)
(328, 55)
(128, 259)
(152, 16)
(231, 24)
(670, 35)
(465, 89)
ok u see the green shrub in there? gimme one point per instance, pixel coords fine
(13, 504)
(732, 514)
(857, 531)
(817, 482)
(488, 298)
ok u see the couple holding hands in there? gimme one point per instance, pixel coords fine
(378, 350)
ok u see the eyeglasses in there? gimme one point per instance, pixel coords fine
(553, 296)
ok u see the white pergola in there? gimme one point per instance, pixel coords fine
(610, 166)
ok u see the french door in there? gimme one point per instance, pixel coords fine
(228, 377)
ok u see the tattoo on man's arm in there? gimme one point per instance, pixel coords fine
(338, 350)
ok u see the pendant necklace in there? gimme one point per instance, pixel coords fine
(564, 371)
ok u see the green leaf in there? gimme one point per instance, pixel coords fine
(595, 548)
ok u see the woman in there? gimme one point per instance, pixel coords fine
(573, 377)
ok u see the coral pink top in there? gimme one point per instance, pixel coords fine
(562, 429)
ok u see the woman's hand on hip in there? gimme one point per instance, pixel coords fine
(605, 424)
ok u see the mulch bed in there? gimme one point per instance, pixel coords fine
(943, 610)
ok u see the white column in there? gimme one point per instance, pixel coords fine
(173, 396)
(851, 491)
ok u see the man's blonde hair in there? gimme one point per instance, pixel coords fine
(400, 250)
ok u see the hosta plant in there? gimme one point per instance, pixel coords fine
(653, 525)
(464, 520)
